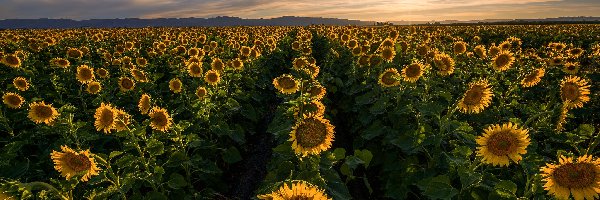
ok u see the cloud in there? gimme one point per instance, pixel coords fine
(380, 10)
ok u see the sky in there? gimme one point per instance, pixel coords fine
(372, 10)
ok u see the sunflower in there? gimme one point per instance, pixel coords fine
(298, 190)
(217, 64)
(314, 107)
(494, 50)
(40, 112)
(557, 60)
(141, 62)
(13, 100)
(460, 47)
(126, 84)
(74, 53)
(71, 163)
(193, 52)
(160, 119)
(413, 72)
(580, 178)
(11, 60)
(144, 104)
(501, 143)
(195, 69)
(201, 92)
(4, 195)
(21, 83)
(212, 77)
(388, 54)
(106, 117)
(175, 85)
(85, 74)
(480, 51)
(574, 91)
(389, 78)
(286, 84)
(503, 61)
(122, 120)
(237, 64)
(299, 63)
(571, 68)
(61, 62)
(533, 78)
(93, 87)
(316, 91)
(444, 63)
(138, 74)
(576, 52)
(478, 97)
(311, 135)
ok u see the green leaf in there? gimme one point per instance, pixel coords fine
(585, 130)
(176, 181)
(335, 186)
(468, 177)
(353, 162)
(437, 187)
(504, 190)
(249, 112)
(114, 154)
(155, 147)
(365, 155)
(374, 130)
(339, 153)
(232, 155)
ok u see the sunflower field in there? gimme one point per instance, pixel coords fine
(316, 112)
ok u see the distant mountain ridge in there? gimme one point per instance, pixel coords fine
(236, 21)
(175, 22)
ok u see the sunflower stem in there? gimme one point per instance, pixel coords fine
(593, 144)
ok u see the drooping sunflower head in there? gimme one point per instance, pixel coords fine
(40, 112)
(85, 74)
(533, 78)
(144, 104)
(388, 54)
(503, 61)
(311, 135)
(212, 77)
(286, 84)
(175, 85)
(93, 87)
(21, 84)
(11, 60)
(13, 100)
(476, 98)
(501, 143)
(389, 78)
(74, 164)
(126, 84)
(299, 190)
(201, 92)
(444, 63)
(160, 119)
(574, 91)
(579, 178)
(106, 117)
(460, 47)
(195, 69)
(413, 72)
